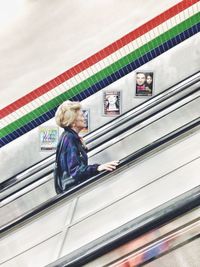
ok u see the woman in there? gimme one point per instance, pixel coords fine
(73, 161)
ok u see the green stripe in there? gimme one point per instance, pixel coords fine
(101, 74)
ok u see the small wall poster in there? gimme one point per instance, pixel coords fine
(48, 137)
(112, 103)
(144, 83)
(86, 114)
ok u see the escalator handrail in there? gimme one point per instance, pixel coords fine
(136, 111)
(133, 157)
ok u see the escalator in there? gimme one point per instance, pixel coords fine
(108, 131)
(152, 120)
(158, 150)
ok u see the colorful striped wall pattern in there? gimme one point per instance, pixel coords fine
(133, 50)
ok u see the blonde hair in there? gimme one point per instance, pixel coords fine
(66, 113)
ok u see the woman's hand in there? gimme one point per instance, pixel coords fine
(109, 166)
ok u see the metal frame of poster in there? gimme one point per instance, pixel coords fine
(144, 83)
(111, 103)
(48, 136)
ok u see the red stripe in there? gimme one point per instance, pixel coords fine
(97, 57)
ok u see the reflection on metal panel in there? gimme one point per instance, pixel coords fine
(168, 243)
(187, 255)
(153, 244)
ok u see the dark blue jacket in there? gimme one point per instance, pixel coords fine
(73, 157)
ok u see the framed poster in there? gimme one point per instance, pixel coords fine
(144, 83)
(86, 114)
(112, 103)
(48, 137)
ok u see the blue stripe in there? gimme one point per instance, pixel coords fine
(105, 82)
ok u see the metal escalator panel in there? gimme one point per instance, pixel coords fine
(99, 208)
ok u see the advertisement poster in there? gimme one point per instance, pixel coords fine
(48, 137)
(144, 83)
(86, 114)
(112, 103)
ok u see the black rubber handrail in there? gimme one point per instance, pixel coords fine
(131, 158)
(13, 180)
(149, 221)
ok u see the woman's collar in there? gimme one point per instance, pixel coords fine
(69, 129)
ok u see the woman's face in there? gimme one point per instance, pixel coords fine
(149, 79)
(80, 122)
(140, 78)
